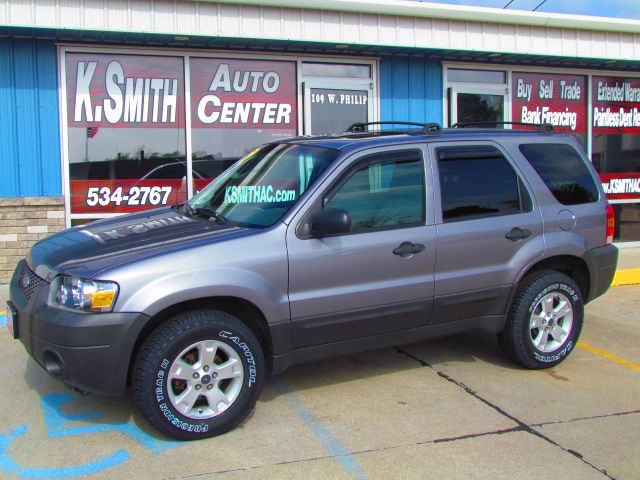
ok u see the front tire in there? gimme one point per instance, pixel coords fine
(544, 321)
(198, 375)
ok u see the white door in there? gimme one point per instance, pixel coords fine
(483, 105)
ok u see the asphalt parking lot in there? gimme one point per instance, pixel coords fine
(451, 408)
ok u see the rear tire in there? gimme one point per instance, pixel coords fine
(198, 375)
(544, 322)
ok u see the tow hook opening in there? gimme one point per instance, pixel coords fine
(53, 364)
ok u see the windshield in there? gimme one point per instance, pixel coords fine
(261, 187)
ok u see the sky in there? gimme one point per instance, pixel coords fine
(629, 9)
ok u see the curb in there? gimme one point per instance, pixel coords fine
(629, 276)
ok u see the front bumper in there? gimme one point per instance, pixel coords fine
(88, 351)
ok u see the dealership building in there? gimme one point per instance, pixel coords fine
(114, 106)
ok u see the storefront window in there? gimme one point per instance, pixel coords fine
(463, 75)
(126, 131)
(554, 99)
(616, 148)
(477, 98)
(237, 105)
(314, 69)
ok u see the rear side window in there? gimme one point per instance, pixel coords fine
(478, 182)
(563, 171)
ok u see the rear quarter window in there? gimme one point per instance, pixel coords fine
(563, 170)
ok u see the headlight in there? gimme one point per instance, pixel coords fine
(85, 295)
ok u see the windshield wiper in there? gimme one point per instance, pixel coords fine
(206, 213)
(183, 208)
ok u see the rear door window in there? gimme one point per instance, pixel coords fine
(478, 181)
(563, 170)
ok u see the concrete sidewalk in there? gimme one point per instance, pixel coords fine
(451, 408)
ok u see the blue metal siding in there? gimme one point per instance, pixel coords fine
(29, 125)
(410, 89)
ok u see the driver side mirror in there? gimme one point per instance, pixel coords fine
(330, 221)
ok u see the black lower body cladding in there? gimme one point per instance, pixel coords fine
(602, 263)
(88, 351)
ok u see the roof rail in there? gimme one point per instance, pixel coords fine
(541, 127)
(362, 127)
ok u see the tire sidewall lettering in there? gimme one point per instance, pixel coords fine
(548, 358)
(244, 350)
(164, 404)
(554, 287)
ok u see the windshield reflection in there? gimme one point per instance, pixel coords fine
(261, 187)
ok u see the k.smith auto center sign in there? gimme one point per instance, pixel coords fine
(242, 94)
(123, 91)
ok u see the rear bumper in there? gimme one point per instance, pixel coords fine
(88, 351)
(602, 263)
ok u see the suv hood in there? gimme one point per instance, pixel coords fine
(90, 249)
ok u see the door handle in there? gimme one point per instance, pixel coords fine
(407, 248)
(518, 233)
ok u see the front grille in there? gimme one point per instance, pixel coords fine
(28, 281)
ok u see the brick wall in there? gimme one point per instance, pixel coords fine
(24, 221)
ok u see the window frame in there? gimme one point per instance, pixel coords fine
(522, 184)
(325, 193)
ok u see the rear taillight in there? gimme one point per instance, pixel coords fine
(611, 225)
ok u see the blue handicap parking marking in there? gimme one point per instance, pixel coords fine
(57, 425)
(10, 466)
(56, 420)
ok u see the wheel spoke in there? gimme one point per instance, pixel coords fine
(559, 333)
(541, 340)
(181, 370)
(214, 397)
(547, 304)
(563, 310)
(207, 352)
(232, 368)
(536, 321)
(185, 401)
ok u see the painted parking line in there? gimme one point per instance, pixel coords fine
(609, 356)
(338, 452)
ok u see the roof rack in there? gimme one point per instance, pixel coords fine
(361, 127)
(541, 127)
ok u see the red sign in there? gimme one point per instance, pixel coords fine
(546, 98)
(616, 105)
(123, 91)
(119, 196)
(228, 93)
(621, 185)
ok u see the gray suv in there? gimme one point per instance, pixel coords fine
(315, 247)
